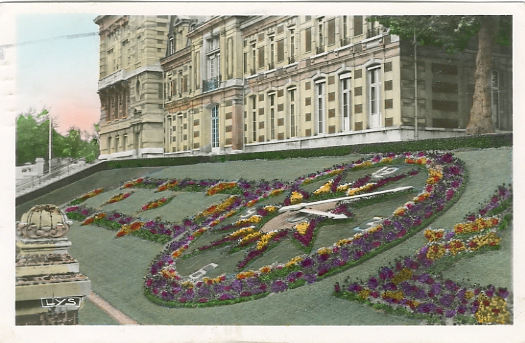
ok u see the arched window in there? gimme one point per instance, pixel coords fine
(215, 126)
(320, 106)
(374, 96)
(346, 101)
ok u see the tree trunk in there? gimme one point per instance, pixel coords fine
(481, 112)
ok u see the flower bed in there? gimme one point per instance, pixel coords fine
(442, 190)
(117, 198)
(407, 286)
(157, 203)
(86, 196)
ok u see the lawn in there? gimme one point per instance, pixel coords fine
(116, 267)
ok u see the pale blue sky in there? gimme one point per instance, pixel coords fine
(58, 73)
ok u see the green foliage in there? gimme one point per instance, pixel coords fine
(476, 142)
(452, 32)
(32, 140)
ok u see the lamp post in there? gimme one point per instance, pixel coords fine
(50, 126)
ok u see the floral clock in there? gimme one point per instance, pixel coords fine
(269, 237)
(196, 269)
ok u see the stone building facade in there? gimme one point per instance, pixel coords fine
(131, 85)
(258, 83)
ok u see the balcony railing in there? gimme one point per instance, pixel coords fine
(211, 84)
(345, 41)
(374, 32)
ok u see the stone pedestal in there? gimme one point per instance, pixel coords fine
(50, 289)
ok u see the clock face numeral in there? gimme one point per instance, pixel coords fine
(248, 213)
(384, 172)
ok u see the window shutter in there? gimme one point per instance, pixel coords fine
(358, 25)
(308, 39)
(261, 57)
(280, 50)
(331, 32)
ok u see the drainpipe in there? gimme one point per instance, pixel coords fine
(416, 136)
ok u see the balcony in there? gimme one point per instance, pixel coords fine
(211, 84)
(319, 50)
(374, 32)
(271, 66)
(291, 60)
(345, 41)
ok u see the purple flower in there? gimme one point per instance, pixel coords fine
(236, 285)
(426, 308)
(386, 273)
(390, 286)
(310, 278)
(446, 300)
(278, 286)
(450, 313)
(503, 292)
(226, 296)
(372, 283)
(307, 262)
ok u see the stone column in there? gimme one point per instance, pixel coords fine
(49, 287)
(237, 124)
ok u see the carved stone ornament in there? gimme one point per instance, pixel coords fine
(43, 221)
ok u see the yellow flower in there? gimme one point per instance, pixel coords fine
(386, 160)
(249, 238)
(270, 208)
(394, 294)
(301, 227)
(344, 187)
(324, 251)
(324, 188)
(296, 198)
(492, 311)
(242, 232)
(435, 251)
(343, 241)
(364, 294)
(265, 240)
(434, 235)
(403, 275)
(293, 261)
(265, 269)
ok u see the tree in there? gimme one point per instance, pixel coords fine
(32, 140)
(453, 33)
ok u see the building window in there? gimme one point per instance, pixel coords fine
(245, 63)
(261, 57)
(116, 143)
(345, 27)
(272, 54)
(320, 92)
(331, 32)
(271, 102)
(292, 47)
(358, 25)
(308, 39)
(374, 96)
(213, 65)
(320, 41)
(280, 50)
(254, 64)
(346, 104)
(293, 121)
(172, 46)
(215, 126)
(254, 118)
